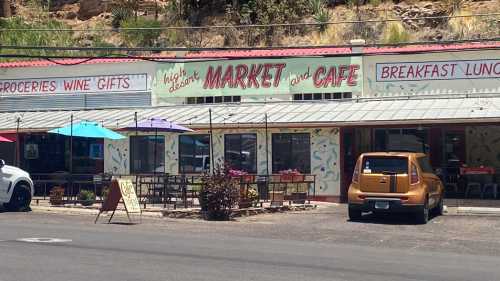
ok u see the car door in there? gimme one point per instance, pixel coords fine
(4, 184)
(430, 179)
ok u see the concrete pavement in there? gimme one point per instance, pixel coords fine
(316, 245)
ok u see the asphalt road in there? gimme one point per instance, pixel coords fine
(267, 248)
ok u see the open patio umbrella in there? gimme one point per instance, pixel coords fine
(4, 139)
(85, 129)
(156, 124)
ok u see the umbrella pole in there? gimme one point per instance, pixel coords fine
(267, 147)
(211, 141)
(18, 121)
(155, 150)
(71, 156)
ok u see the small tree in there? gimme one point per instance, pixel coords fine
(219, 194)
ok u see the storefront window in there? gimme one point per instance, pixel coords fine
(147, 154)
(413, 140)
(240, 151)
(291, 151)
(194, 151)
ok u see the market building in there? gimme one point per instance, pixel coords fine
(264, 111)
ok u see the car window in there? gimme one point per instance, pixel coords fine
(385, 165)
(425, 164)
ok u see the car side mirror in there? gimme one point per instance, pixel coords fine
(2, 163)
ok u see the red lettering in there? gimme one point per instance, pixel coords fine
(228, 77)
(241, 72)
(277, 75)
(34, 86)
(86, 84)
(53, 86)
(352, 79)
(266, 77)
(316, 80)
(385, 72)
(212, 80)
(330, 77)
(394, 69)
(126, 83)
(341, 75)
(101, 83)
(435, 71)
(411, 72)
(401, 69)
(495, 70)
(45, 86)
(418, 73)
(252, 77)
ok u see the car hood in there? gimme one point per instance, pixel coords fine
(15, 171)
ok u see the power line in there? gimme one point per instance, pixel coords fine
(244, 26)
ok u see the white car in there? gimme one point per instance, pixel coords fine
(16, 188)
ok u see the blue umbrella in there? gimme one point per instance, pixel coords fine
(87, 130)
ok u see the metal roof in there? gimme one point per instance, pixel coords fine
(265, 53)
(325, 113)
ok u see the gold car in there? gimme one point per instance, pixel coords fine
(395, 182)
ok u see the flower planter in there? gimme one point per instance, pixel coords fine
(277, 198)
(56, 196)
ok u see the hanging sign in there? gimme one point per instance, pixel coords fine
(120, 189)
(75, 85)
(258, 77)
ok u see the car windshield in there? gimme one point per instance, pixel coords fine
(385, 165)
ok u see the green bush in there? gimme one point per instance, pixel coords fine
(86, 197)
(219, 194)
(140, 38)
(120, 14)
(34, 38)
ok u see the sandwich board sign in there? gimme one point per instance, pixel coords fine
(121, 189)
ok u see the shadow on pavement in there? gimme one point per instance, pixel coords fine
(390, 219)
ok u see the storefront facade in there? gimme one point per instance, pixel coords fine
(315, 115)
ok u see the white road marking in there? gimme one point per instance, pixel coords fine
(43, 240)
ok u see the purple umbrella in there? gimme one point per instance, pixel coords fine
(156, 124)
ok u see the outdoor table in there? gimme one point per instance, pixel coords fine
(477, 171)
(476, 178)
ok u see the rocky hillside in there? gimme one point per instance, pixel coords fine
(98, 22)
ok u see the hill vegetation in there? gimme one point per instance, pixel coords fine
(241, 23)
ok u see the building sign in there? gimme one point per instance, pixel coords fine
(438, 70)
(259, 77)
(75, 85)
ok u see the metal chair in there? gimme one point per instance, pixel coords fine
(493, 187)
(473, 184)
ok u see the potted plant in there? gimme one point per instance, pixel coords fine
(86, 197)
(56, 195)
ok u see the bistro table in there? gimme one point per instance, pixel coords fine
(480, 179)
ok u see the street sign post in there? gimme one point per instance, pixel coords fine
(121, 189)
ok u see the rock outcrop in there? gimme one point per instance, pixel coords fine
(91, 8)
(409, 13)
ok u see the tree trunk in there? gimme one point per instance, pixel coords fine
(5, 9)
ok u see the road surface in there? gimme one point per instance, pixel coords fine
(252, 249)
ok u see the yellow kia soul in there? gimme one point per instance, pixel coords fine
(395, 182)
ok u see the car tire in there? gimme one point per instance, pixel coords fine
(354, 214)
(422, 215)
(439, 209)
(21, 199)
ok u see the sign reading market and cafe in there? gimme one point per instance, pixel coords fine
(258, 77)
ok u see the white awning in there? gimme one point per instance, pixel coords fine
(313, 113)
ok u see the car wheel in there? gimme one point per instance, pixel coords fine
(439, 210)
(422, 215)
(21, 199)
(354, 214)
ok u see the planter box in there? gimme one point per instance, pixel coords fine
(299, 197)
(277, 198)
(244, 204)
(56, 196)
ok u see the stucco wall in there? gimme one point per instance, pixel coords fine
(325, 154)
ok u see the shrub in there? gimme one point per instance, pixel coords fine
(86, 197)
(120, 14)
(395, 33)
(219, 194)
(141, 37)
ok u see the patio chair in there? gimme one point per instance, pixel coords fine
(473, 185)
(490, 185)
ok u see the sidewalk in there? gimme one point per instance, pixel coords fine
(43, 205)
